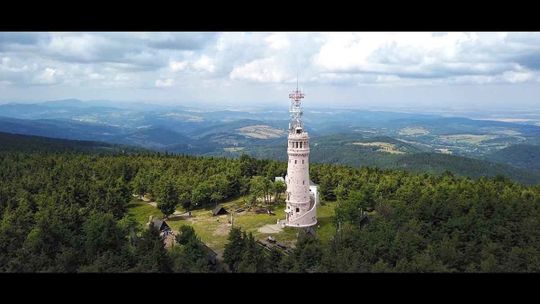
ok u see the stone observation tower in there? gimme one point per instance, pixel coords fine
(302, 196)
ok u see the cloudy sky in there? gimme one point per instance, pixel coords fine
(335, 69)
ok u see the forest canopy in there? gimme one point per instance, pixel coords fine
(67, 212)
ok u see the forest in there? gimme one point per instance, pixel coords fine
(66, 211)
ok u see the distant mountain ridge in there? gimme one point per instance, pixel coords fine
(382, 139)
(66, 129)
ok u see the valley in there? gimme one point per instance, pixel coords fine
(381, 139)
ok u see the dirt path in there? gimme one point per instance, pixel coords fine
(271, 228)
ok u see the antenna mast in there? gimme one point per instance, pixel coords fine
(296, 109)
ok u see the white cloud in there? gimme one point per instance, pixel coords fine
(96, 76)
(418, 55)
(121, 77)
(127, 62)
(278, 41)
(204, 64)
(261, 70)
(514, 77)
(178, 65)
(7, 66)
(84, 47)
(163, 83)
(47, 76)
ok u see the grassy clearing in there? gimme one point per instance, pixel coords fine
(413, 131)
(261, 131)
(141, 211)
(382, 147)
(469, 139)
(444, 151)
(214, 230)
(325, 216)
(233, 149)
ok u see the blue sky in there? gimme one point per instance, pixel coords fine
(420, 69)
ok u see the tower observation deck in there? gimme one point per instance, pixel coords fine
(301, 199)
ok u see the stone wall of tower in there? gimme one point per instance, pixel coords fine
(298, 168)
(300, 209)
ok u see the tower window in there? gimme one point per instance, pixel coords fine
(303, 182)
(302, 161)
(295, 161)
(300, 145)
(297, 210)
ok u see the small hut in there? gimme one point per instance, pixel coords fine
(219, 210)
(161, 225)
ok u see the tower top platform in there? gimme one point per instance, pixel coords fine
(303, 135)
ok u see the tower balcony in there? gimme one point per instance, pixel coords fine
(298, 136)
(297, 151)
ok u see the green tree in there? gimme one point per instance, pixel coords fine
(140, 183)
(101, 233)
(260, 187)
(279, 188)
(190, 255)
(232, 255)
(200, 195)
(150, 253)
(275, 260)
(308, 253)
(253, 258)
(167, 199)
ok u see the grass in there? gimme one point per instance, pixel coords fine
(261, 131)
(470, 139)
(214, 230)
(383, 147)
(141, 211)
(413, 131)
(325, 216)
(233, 149)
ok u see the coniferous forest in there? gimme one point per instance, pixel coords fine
(66, 211)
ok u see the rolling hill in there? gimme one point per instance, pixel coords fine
(389, 153)
(324, 151)
(29, 143)
(408, 141)
(521, 156)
